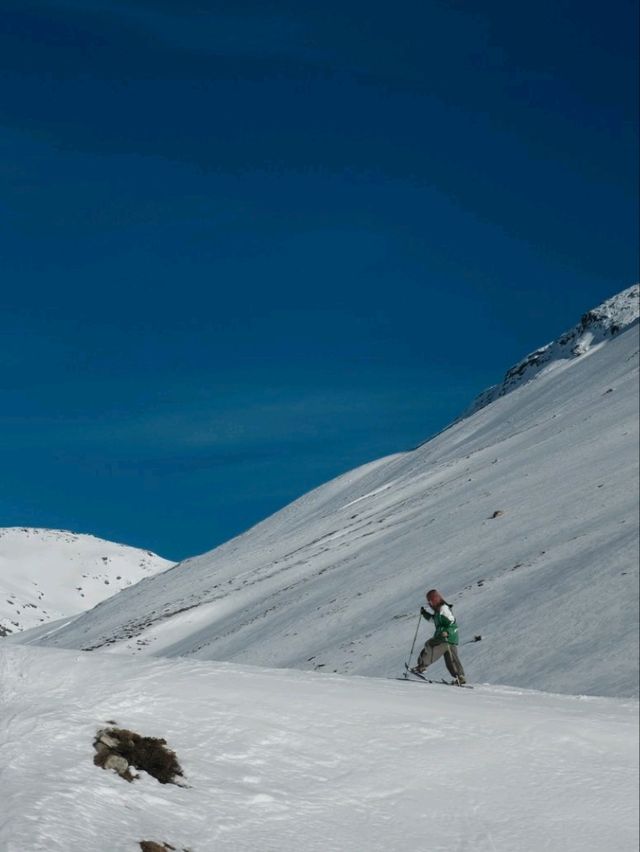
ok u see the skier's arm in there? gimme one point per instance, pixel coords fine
(425, 613)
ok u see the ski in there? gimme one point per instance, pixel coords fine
(455, 683)
(424, 679)
(435, 682)
(413, 672)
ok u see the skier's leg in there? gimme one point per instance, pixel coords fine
(431, 652)
(453, 664)
(457, 662)
(449, 663)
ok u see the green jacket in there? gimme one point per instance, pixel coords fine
(444, 621)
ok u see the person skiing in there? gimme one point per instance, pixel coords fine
(444, 641)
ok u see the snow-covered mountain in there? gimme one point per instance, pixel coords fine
(46, 575)
(523, 513)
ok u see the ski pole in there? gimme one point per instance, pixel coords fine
(406, 665)
(471, 641)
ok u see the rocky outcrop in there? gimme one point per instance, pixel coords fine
(597, 326)
(125, 752)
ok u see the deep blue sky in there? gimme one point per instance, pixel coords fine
(246, 246)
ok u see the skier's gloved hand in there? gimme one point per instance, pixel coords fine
(425, 614)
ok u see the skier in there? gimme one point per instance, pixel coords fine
(444, 641)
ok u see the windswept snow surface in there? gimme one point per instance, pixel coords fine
(284, 761)
(46, 575)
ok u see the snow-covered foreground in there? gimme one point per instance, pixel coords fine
(288, 761)
(46, 575)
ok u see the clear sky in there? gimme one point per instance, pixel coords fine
(247, 246)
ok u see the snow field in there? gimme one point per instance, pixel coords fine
(284, 761)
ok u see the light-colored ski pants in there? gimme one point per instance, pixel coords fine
(432, 652)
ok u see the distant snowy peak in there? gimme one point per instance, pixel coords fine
(50, 574)
(596, 326)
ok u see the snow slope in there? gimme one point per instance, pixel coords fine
(51, 574)
(283, 761)
(335, 580)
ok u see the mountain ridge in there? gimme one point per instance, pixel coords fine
(597, 325)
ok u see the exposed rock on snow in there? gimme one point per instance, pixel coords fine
(117, 763)
(107, 741)
(124, 751)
